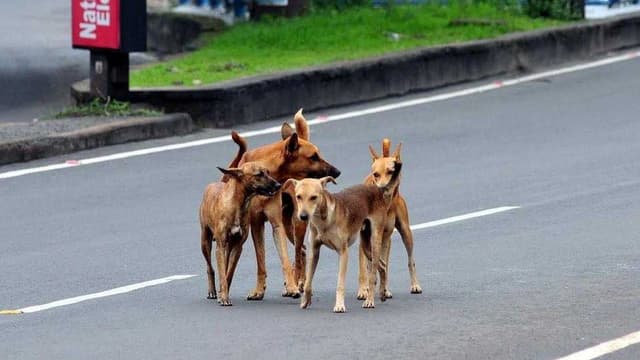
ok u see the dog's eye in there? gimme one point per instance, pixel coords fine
(298, 197)
(313, 198)
(389, 172)
(315, 157)
(376, 175)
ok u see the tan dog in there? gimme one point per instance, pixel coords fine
(336, 219)
(294, 157)
(397, 217)
(224, 218)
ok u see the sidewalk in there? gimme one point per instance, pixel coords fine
(26, 141)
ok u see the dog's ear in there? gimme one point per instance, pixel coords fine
(288, 197)
(290, 187)
(234, 172)
(386, 146)
(327, 179)
(302, 128)
(396, 154)
(286, 130)
(292, 144)
(289, 190)
(374, 155)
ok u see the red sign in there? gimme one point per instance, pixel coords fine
(96, 23)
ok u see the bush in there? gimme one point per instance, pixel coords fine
(338, 4)
(556, 9)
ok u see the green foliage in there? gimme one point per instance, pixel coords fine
(329, 35)
(108, 107)
(555, 9)
(338, 4)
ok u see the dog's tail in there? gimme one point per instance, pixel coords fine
(242, 148)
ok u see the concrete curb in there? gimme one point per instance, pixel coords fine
(261, 98)
(96, 136)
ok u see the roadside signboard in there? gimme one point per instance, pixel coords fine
(95, 24)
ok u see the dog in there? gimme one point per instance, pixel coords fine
(382, 170)
(293, 157)
(224, 218)
(336, 219)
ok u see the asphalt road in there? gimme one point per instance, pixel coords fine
(558, 275)
(37, 63)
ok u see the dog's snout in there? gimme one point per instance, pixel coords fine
(277, 185)
(304, 216)
(335, 172)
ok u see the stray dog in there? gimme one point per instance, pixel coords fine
(397, 217)
(294, 157)
(224, 218)
(335, 221)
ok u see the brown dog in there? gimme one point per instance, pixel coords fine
(336, 219)
(224, 218)
(397, 217)
(294, 157)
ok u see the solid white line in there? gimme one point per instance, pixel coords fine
(605, 348)
(327, 119)
(463, 217)
(116, 291)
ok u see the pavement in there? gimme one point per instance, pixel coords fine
(37, 62)
(600, 9)
(557, 275)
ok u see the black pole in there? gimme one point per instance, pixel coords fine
(109, 74)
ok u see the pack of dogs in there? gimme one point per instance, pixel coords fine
(285, 183)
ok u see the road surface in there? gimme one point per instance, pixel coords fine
(37, 63)
(558, 274)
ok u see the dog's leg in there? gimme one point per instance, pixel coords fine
(222, 255)
(364, 255)
(363, 279)
(403, 226)
(257, 234)
(313, 264)
(376, 242)
(234, 256)
(205, 244)
(301, 258)
(383, 266)
(342, 273)
(280, 239)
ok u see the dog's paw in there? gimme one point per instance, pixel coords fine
(416, 289)
(292, 293)
(339, 308)
(224, 302)
(305, 302)
(255, 295)
(362, 293)
(388, 294)
(212, 295)
(368, 304)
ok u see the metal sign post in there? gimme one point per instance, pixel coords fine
(110, 30)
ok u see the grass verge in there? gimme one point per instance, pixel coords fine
(328, 36)
(108, 107)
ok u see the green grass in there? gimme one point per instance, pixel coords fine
(99, 107)
(328, 36)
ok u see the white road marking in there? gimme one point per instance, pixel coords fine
(463, 217)
(112, 292)
(138, 286)
(605, 348)
(327, 119)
